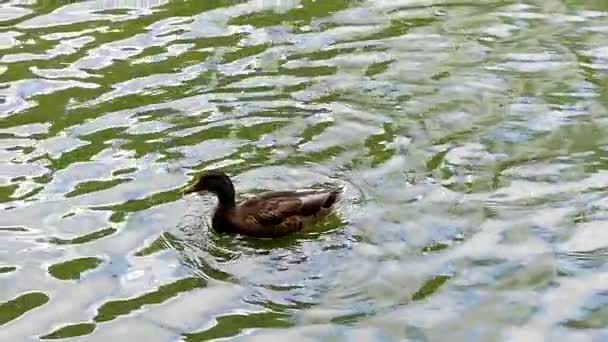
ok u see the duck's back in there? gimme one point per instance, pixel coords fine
(279, 213)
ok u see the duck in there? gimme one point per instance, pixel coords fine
(270, 214)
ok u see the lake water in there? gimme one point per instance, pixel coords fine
(470, 137)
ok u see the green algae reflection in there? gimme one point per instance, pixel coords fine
(430, 287)
(19, 306)
(113, 309)
(7, 269)
(72, 269)
(68, 331)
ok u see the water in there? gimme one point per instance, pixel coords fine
(471, 139)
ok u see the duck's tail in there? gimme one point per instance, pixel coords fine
(332, 198)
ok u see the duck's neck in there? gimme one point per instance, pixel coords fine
(226, 196)
(227, 201)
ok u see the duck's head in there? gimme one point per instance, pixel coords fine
(216, 182)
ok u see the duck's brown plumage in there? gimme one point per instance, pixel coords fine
(270, 214)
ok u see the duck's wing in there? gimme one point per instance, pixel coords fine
(285, 212)
(286, 194)
(270, 211)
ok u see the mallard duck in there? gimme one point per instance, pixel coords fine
(270, 214)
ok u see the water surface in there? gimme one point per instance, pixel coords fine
(471, 139)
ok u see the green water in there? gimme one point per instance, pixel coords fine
(471, 139)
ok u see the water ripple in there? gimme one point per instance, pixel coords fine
(470, 140)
